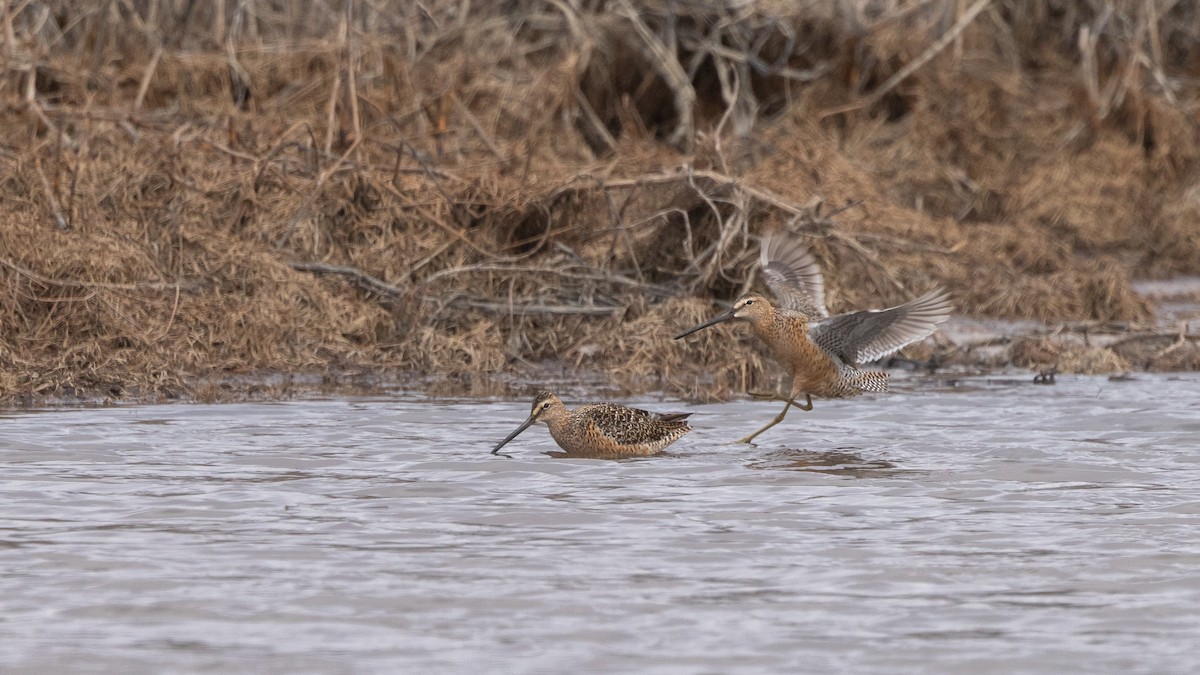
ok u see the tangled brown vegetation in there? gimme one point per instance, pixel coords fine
(194, 192)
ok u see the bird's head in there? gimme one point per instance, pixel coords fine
(750, 307)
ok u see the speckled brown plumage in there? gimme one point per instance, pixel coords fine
(603, 429)
(822, 352)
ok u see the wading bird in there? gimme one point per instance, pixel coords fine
(603, 429)
(823, 352)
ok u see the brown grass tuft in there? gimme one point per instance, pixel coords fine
(1066, 355)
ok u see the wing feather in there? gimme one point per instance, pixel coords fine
(862, 337)
(626, 426)
(792, 273)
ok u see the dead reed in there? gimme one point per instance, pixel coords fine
(196, 191)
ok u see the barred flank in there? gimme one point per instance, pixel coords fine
(873, 381)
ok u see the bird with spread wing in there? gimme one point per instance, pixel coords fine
(824, 353)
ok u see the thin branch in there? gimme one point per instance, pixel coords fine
(912, 67)
(760, 194)
(147, 76)
(351, 71)
(667, 64)
(60, 221)
(523, 309)
(189, 286)
(359, 277)
(478, 127)
(560, 272)
(595, 124)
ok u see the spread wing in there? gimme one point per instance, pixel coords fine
(861, 337)
(792, 273)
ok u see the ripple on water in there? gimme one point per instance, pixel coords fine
(987, 528)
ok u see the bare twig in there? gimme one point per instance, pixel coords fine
(610, 277)
(60, 221)
(912, 67)
(526, 309)
(351, 57)
(331, 108)
(762, 195)
(359, 277)
(10, 36)
(1177, 338)
(478, 127)
(239, 78)
(189, 286)
(665, 61)
(306, 206)
(147, 76)
(595, 124)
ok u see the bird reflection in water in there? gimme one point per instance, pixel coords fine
(832, 462)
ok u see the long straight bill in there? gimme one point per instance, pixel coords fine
(724, 316)
(524, 425)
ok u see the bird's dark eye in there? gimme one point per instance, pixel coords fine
(546, 405)
(749, 302)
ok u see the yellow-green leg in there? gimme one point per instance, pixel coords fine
(808, 405)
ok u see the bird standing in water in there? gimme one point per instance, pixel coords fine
(603, 429)
(823, 352)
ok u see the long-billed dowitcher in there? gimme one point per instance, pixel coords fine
(823, 352)
(603, 429)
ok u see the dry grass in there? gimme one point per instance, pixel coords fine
(1066, 356)
(540, 181)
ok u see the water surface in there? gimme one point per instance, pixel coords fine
(980, 528)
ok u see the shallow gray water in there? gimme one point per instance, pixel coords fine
(984, 529)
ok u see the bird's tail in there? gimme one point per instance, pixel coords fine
(870, 380)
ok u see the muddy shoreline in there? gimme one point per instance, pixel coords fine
(965, 350)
